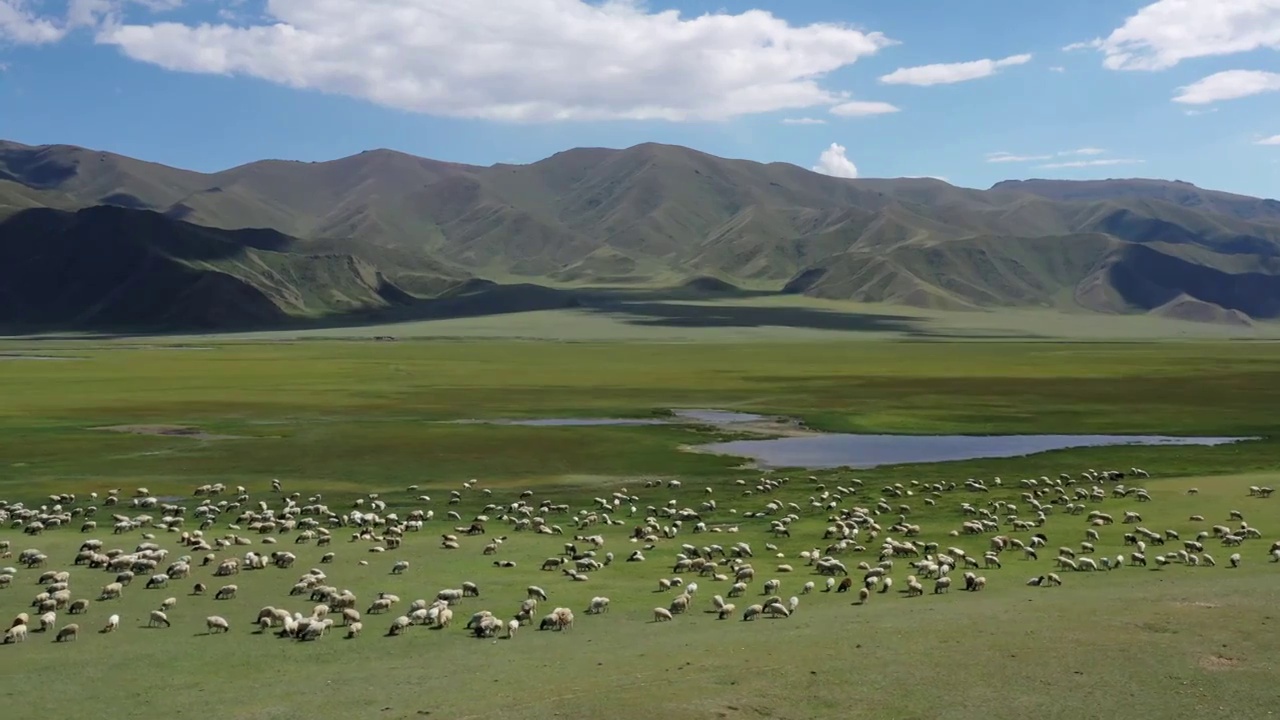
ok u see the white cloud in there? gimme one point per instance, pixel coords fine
(1007, 157)
(1273, 140)
(1057, 69)
(529, 60)
(833, 162)
(1228, 85)
(803, 121)
(862, 108)
(20, 24)
(1091, 163)
(947, 73)
(1167, 32)
(1205, 111)
(1004, 157)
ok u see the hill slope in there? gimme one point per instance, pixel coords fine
(356, 233)
(107, 268)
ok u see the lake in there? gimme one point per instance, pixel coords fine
(868, 451)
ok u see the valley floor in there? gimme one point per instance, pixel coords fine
(337, 420)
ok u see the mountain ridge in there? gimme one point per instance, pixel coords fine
(413, 229)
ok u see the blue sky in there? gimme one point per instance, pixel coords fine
(839, 85)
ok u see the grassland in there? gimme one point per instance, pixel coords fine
(348, 418)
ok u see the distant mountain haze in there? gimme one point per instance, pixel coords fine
(90, 239)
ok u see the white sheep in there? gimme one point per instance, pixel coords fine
(113, 623)
(157, 619)
(15, 634)
(661, 614)
(398, 625)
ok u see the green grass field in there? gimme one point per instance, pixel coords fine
(344, 419)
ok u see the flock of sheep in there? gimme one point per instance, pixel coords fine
(221, 532)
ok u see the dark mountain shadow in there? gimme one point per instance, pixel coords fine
(1147, 279)
(670, 314)
(484, 300)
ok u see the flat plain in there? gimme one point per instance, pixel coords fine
(343, 419)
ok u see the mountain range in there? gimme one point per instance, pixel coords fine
(95, 240)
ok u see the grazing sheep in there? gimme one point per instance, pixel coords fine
(399, 567)
(512, 627)
(78, 607)
(353, 630)
(113, 623)
(216, 624)
(226, 592)
(398, 625)
(661, 614)
(15, 634)
(1234, 560)
(158, 618)
(725, 611)
(68, 633)
(863, 595)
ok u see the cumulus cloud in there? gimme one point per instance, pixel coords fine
(1273, 140)
(863, 108)
(835, 163)
(20, 24)
(947, 73)
(803, 121)
(533, 60)
(1164, 33)
(1228, 85)
(1091, 163)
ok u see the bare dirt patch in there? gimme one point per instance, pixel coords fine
(185, 431)
(1219, 662)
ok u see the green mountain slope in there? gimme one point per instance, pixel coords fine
(107, 267)
(381, 227)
